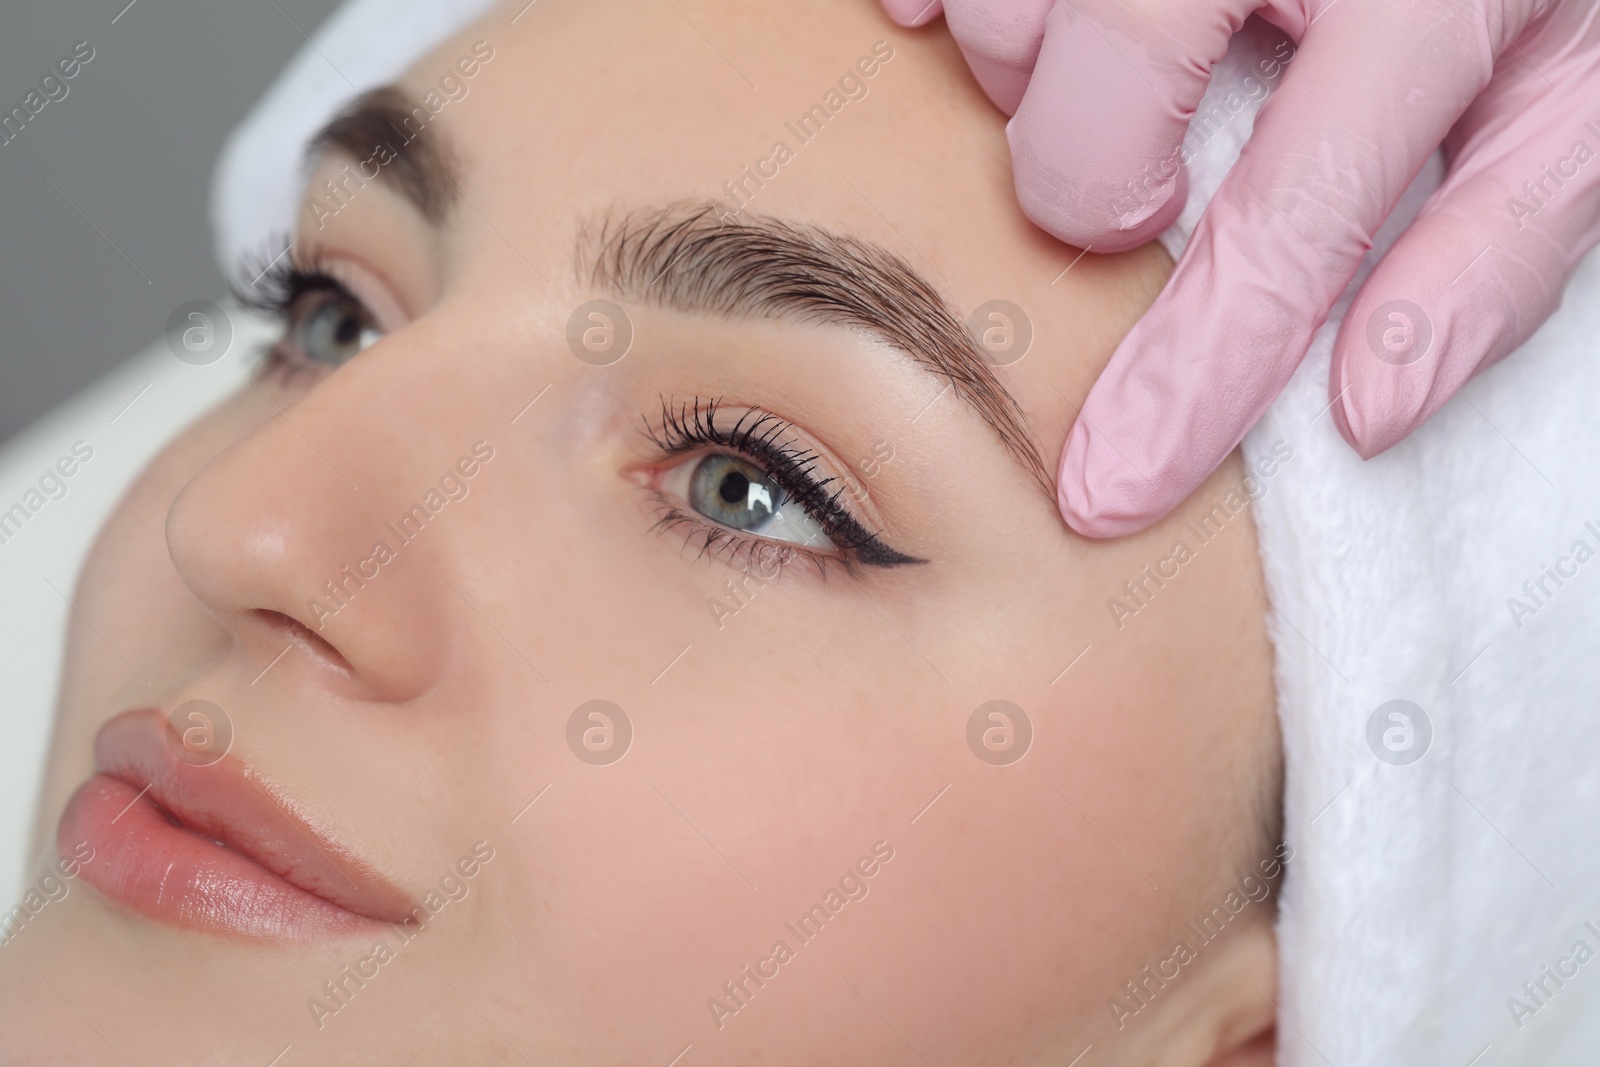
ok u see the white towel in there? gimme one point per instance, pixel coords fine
(1421, 896)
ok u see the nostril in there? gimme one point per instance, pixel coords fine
(307, 638)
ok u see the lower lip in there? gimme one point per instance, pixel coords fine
(174, 875)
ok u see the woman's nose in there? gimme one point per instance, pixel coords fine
(309, 532)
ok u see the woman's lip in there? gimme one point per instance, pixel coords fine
(209, 847)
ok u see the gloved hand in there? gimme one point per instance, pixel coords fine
(1101, 92)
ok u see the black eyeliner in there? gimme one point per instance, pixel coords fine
(758, 436)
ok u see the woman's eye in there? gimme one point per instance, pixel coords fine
(330, 327)
(736, 493)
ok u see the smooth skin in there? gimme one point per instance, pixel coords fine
(829, 713)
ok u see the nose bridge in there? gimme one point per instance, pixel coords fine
(311, 528)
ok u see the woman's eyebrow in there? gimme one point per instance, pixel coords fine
(689, 258)
(383, 130)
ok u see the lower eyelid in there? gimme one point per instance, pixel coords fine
(712, 542)
(275, 364)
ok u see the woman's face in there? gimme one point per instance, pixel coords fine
(797, 533)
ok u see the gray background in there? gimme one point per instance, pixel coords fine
(131, 146)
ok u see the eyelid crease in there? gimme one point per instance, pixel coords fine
(262, 280)
(756, 436)
(281, 279)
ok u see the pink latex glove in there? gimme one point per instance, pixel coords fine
(1101, 92)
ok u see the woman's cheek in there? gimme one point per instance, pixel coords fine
(133, 617)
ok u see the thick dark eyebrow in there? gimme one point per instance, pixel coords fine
(689, 258)
(385, 129)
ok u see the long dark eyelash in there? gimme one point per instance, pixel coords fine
(271, 280)
(759, 436)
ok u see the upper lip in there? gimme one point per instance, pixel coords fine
(231, 803)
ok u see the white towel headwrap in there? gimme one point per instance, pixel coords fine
(1421, 896)
(364, 44)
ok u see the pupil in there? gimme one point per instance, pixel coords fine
(735, 488)
(348, 331)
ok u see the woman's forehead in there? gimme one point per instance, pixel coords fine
(609, 98)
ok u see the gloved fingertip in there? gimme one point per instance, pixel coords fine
(1002, 82)
(1352, 428)
(1095, 494)
(1376, 402)
(912, 13)
(1097, 215)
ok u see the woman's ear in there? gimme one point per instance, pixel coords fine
(1219, 1014)
(1240, 1019)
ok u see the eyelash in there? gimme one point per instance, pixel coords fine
(284, 282)
(759, 437)
(274, 290)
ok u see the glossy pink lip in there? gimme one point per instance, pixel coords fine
(210, 848)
